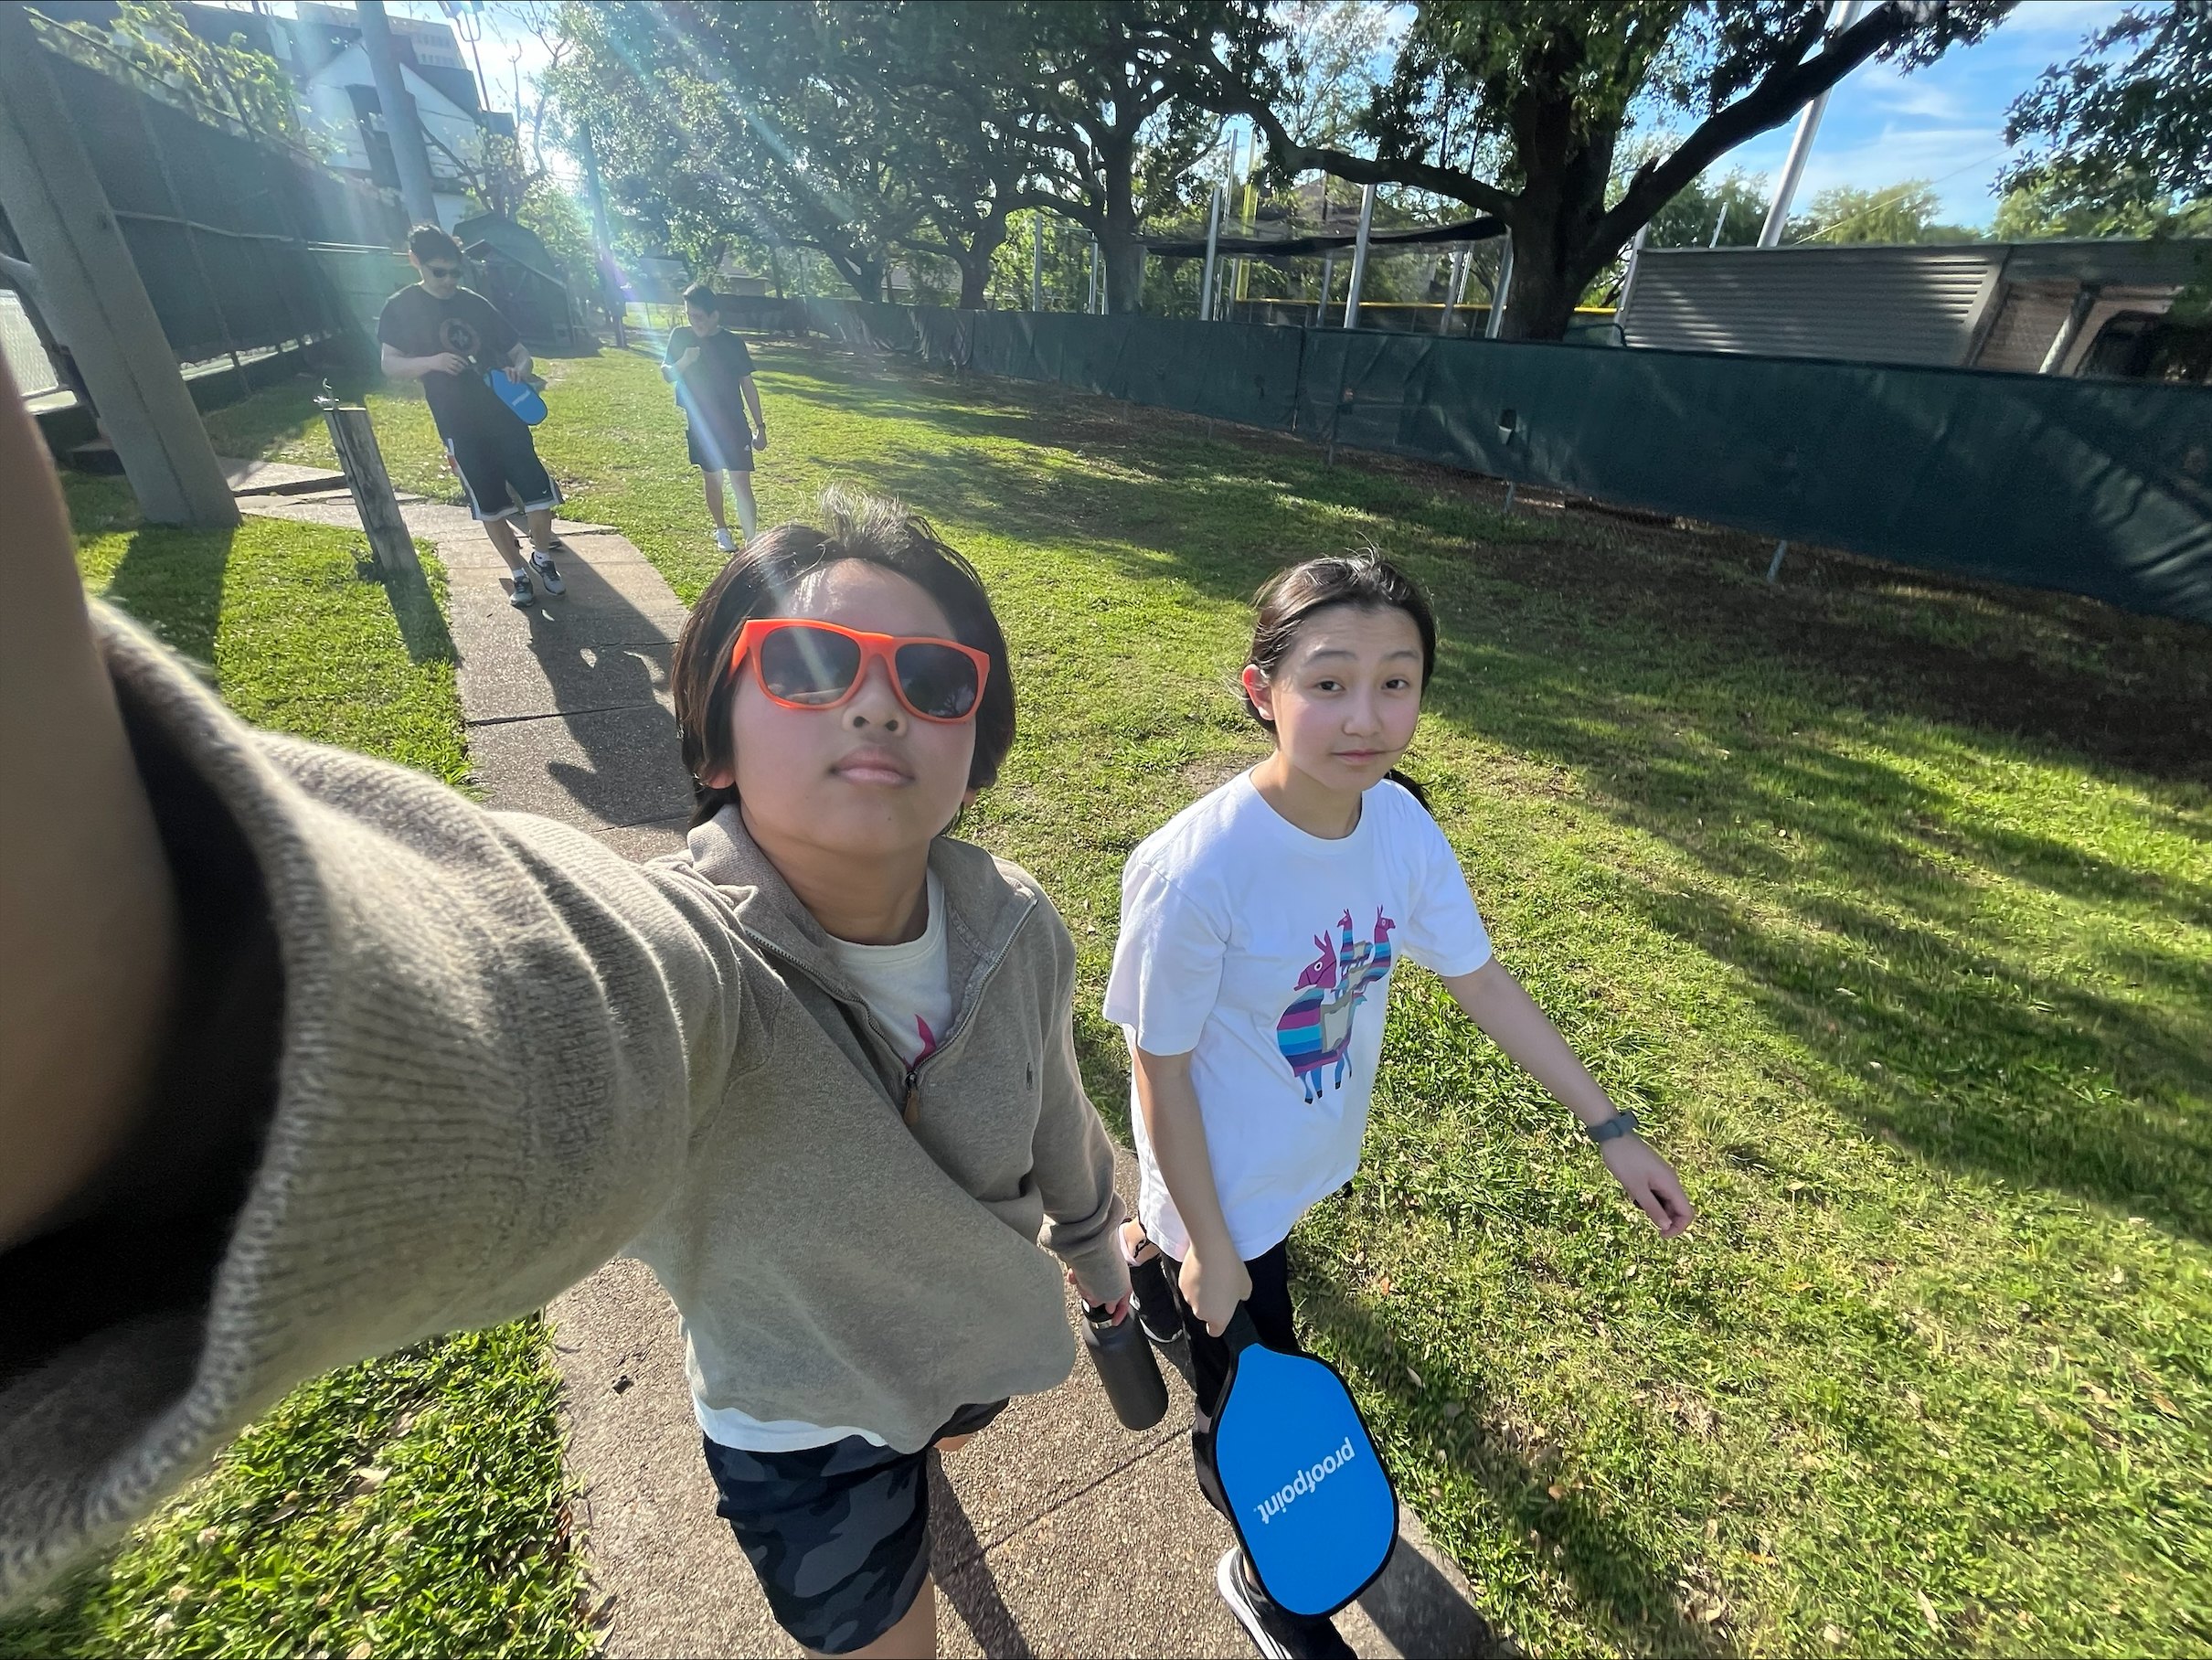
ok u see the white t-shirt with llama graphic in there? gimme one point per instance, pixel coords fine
(1265, 955)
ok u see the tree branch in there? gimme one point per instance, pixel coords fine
(1222, 92)
(1778, 96)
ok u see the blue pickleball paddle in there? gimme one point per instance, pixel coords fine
(1311, 1502)
(519, 396)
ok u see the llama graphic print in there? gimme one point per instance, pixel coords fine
(1316, 1032)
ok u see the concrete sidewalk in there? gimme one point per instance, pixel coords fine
(1055, 1531)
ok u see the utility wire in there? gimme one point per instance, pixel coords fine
(1890, 196)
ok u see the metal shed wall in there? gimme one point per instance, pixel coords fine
(1877, 305)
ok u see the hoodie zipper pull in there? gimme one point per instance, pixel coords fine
(913, 1106)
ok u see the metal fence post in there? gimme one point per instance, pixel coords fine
(1359, 256)
(354, 439)
(1456, 279)
(1213, 238)
(1498, 293)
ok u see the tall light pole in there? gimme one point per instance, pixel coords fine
(401, 123)
(610, 280)
(1841, 16)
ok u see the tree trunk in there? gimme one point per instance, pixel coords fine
(1122, 259)
(1121, 249)
(1554, 258)
(1541, 303)
(864, 276)
(975, 263)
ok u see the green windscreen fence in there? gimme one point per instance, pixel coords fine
(2096, 488)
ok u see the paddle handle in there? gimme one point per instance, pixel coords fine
(1241, 1333)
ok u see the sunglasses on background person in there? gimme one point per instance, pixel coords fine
(819, 665)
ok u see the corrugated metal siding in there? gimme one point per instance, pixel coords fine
(27, 358)
(2025, 329)
(1912, 305)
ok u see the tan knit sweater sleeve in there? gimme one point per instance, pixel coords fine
(1074, 1161)
(498, 1035)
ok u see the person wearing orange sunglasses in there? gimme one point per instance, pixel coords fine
(355, 1061)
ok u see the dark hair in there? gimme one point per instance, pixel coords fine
(427, 242)
(1366, 581)
(862, 527)
(702, 294)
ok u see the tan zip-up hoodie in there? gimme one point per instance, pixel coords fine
(509, 1054)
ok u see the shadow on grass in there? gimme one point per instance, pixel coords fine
(416, 610)
(2114, 697)
(1616, 1581)
(172, 580)
(1808, 750)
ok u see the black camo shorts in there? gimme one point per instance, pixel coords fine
(839, 1535)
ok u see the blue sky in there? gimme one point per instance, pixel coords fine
(1944, 122)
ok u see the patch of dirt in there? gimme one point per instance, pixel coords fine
(1211, 772)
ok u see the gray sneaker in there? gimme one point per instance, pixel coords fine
(524, 597)
(542, 563)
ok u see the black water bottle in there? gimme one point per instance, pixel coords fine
(1126, 1368)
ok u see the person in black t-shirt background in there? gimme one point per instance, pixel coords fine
(712, 372)
(449, 337)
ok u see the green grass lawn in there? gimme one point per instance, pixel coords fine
(414, 1504)
(1886, 899)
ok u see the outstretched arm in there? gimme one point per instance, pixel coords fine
(88, 913)
(1498, 1003)
(466, 1057)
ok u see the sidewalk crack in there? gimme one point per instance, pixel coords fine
(604, 708)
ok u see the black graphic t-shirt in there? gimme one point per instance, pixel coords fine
(417, 324)
(709, 391)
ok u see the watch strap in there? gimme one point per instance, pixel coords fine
(1621, 1123)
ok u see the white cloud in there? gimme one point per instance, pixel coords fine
(1915, 96)
(2065, 17)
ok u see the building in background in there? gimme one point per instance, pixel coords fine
(2090, 308)
(320, 48)
(516, 275)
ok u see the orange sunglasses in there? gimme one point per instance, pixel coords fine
(804, 665)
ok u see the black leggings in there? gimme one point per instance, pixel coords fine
(1269, 1305)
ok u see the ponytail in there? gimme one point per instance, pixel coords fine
(1412, 789)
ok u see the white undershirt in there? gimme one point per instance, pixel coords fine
(908, 989)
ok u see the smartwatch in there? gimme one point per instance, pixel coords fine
(1621, 1123)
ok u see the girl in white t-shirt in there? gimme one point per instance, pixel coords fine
(1258, 929)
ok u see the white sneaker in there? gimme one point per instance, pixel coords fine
(724, 541)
